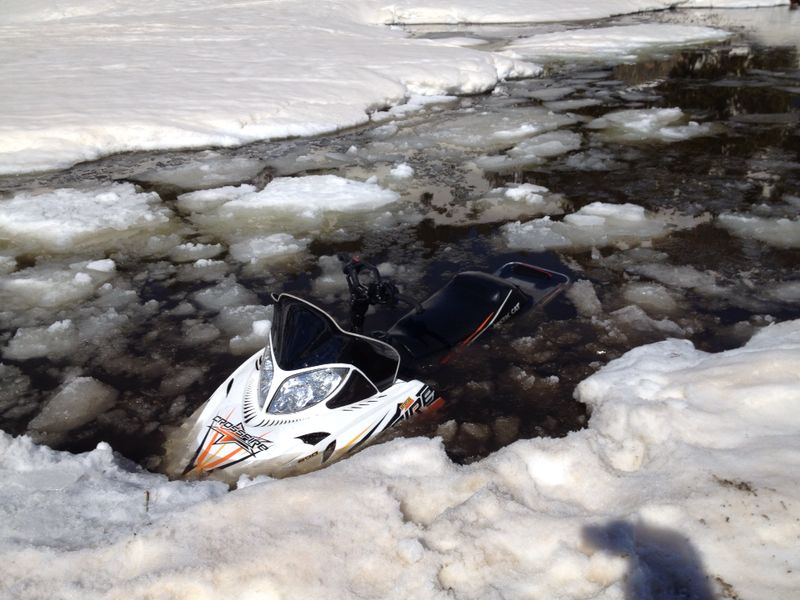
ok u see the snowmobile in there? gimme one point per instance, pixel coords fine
(318, 392)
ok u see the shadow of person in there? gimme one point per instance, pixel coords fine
(662, 563)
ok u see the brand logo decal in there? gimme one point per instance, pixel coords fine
(235, 434)
(225, 444)
(510, 314)
(411, 406)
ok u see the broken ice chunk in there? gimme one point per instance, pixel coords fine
(65, 219)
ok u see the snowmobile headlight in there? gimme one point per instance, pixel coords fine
(306, 389)
(265, 376)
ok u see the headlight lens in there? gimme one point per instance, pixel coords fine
(265, 377)
(306, 389)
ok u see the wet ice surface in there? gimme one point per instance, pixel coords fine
(119, 323)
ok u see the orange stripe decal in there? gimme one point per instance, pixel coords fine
(217, 435)
(351, 442)
(477, 332)
(219, 461)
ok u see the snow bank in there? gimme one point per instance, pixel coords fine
(597, 224)
(777, 27)
(683, 484)
(57, 502)
(67, 219)
(109, 76)
(618, 43)
(494, 130)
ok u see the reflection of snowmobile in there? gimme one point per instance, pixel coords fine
(317, 393)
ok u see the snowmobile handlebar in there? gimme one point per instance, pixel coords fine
(374, 291)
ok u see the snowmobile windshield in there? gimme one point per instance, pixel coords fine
(305, 336)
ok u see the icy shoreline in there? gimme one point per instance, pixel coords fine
(683, 483)
(90, 81)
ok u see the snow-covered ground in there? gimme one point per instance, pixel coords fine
(683, 483)
(683, 486)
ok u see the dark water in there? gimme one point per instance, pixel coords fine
(517, 382)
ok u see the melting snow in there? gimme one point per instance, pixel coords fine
(687, 456)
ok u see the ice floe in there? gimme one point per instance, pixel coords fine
(514, 202)
(583, 295)
(227, 293)
(651, 297)
(685, 277)
(659, 124)
(618, 43)
(52, 285)
(191, 251)
(66, 220)
(53, 341)
(782, 233)
(533, 151)
(596, 224)
(206, 171)
(494, 130)
(402, 171)
(244, 75)
(270, 247)
(275, 223)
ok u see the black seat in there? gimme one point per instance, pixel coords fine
(456, 315)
